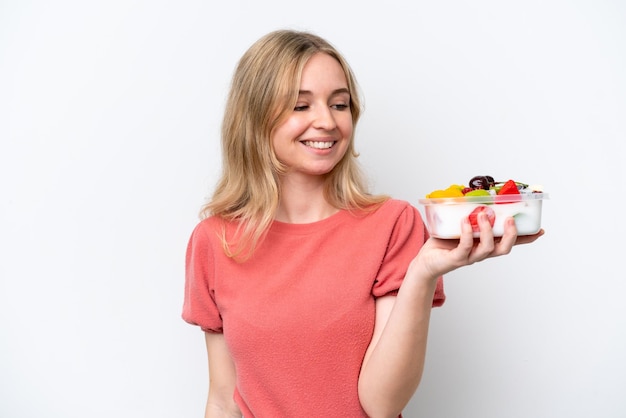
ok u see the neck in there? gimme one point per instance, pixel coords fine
(303, 202)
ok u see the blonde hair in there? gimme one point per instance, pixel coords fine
(263, 93)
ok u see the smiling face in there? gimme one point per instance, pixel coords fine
(317, 133)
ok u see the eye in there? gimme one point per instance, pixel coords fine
(340, 106)
(300, 108)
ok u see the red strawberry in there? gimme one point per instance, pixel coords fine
(510, 187)
(473, 217)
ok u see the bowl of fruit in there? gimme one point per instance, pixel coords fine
(445, 209)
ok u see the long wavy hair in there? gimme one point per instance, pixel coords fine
(263, 93)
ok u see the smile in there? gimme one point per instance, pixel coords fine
(319, 144)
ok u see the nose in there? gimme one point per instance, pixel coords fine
(324, 118)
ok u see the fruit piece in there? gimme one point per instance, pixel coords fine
(479, 182)
(478, 192)
(453, 190)
(473, 217)
(436, 194)
(510, 187)
(456, 187)
(520, 185)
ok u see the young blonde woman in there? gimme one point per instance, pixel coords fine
(314, 295)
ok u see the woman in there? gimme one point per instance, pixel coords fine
(314, 295)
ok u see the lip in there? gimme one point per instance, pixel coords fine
(320, 139)
(333, 140)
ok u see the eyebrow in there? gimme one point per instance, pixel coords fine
(333, 93)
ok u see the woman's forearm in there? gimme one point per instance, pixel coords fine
(394, 363)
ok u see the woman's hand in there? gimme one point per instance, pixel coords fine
(440, 256)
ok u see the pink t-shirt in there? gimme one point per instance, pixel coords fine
(298, 316)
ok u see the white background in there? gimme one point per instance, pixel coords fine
(109, 125)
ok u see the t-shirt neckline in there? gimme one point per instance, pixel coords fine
(311, 227)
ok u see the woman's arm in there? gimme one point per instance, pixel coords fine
(393, 364)
(222, 377)
(394, 361)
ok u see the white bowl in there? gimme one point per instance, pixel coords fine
(444, 216)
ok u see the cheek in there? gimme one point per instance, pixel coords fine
(289, 130)
(347, 127)
(349, 130)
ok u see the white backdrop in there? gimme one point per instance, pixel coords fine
(109, 123)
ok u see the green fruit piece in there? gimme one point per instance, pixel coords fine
(478, 192)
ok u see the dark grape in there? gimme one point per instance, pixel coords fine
(479, 182)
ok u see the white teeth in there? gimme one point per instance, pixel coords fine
(319, 144)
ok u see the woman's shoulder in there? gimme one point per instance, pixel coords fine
(391, 212)
(210, 227)
(395, 206)
(211, 221)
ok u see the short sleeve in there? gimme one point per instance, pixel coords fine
(405, 240)
(199, 307)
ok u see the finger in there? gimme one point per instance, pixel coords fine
(486, 242)
(509, 237)
(466, 240)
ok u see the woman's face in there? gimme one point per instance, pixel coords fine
(317, 133)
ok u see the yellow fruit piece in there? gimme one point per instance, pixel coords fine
(453, 191)
(436, 194)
